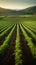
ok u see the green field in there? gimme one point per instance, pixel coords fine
(18, 40)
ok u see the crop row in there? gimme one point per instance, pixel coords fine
(4, 34)
(6, 43)
(29, 42)
(18, 51)
(27, 34)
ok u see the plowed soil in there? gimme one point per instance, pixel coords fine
(9, 58)
(26, 54)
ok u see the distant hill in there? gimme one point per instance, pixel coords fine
(30, 10)
(4, 11)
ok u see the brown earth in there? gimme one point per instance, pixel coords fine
(4, 37)
(26, 54)
(9, 56)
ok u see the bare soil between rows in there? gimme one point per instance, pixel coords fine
(9, 58)
(33, 39)
(26, 54)
(4, 37)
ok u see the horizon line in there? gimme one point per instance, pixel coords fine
(18, 9)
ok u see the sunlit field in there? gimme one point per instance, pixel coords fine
(18, 40)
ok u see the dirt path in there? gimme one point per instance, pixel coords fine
(26, 55)
(9, 57)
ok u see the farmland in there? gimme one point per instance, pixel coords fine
(18, 40)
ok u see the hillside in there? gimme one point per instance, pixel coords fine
(30, 10)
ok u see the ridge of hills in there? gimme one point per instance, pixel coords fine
(27, 11)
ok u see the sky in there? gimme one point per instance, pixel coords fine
(17, 4)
